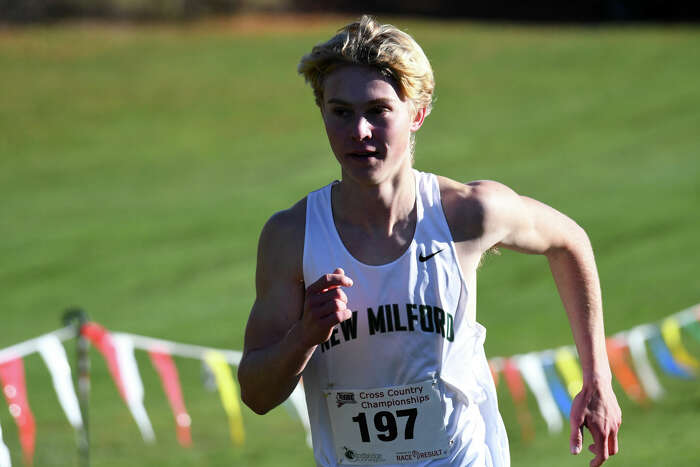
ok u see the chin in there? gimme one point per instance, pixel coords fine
(369, 177)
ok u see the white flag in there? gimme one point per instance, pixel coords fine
(54, 356)
(297, 404)
(4, 453)
(533, 373)
(635, 340)
(133, 386)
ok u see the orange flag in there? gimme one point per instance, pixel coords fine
(619, 357)
(516, 387)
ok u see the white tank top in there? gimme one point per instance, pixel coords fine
(410, 324)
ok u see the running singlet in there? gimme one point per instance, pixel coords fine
(405, 380)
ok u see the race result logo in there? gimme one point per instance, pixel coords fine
(342, 398)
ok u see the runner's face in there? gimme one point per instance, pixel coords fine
(368, 124)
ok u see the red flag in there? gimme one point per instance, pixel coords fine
(15, 389)
(516, 387)
(167, 370)
(100, 338)
(494, 373)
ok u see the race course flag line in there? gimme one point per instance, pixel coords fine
(628, 358)
(618, 354)
(566, 362)
(558, 390)
(296, 404)
(15, 389)
(530, 367)
(671, 332)
(54, 356)
(118, 352)
(635, 340)
(666, 361)
(165, 366)
(228, 393)
(516, 387)
(133, 386)
(638, 379)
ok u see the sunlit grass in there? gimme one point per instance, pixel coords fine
(137, 166)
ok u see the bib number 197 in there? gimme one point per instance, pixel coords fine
(388, 425)
(385, 424)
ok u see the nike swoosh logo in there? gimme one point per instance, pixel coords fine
(423, 259)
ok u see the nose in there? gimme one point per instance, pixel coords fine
(362, 129)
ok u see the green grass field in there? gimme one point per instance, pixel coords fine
(138, 164)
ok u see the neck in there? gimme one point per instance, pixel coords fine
(377, 209)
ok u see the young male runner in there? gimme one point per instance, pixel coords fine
(366, 286)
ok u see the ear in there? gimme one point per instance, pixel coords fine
(418, 119)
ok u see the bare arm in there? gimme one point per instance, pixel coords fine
(286, 322)
(526, 225)
(532, 227)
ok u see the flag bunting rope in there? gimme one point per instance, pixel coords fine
(552, 375)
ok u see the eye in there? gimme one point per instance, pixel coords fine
(340, 111)
(379, 110)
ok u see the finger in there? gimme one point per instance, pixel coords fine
(328, 308)
(597, 461)
(612, 444)
(329, 281)
(334, 318)
(600, 449)
(321, 298)
(576, 439)
(336, 293)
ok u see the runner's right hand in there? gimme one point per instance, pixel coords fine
(325, 305)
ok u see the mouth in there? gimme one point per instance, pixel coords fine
(364, 154)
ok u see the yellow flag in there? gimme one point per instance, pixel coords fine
(229, 394)
(671, 332)
(570, 370)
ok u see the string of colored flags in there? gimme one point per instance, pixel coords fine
(553, 376)
(117, 349)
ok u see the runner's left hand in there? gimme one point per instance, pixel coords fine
(596, 408)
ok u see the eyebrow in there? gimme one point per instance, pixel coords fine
(338, 101)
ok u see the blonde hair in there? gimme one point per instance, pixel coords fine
(392, 52)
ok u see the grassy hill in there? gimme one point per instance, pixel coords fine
(138, 164)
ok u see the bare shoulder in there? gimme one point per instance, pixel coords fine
(486, 191)
(472, 208)
(288, 220)
(281, 244)
(278, 278)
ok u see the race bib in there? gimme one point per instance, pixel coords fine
(393, 425)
